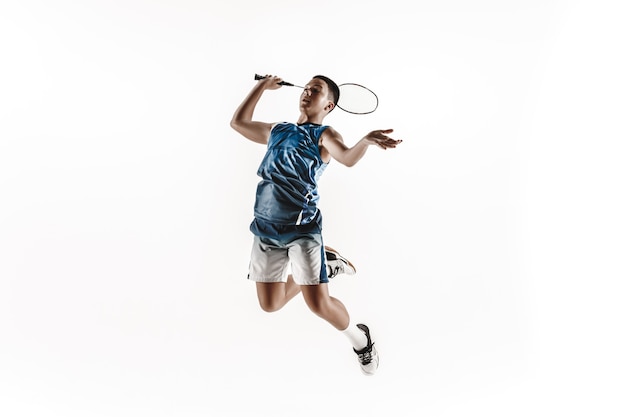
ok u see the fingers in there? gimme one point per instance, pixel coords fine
(382, 140)
(389, 144)
(385, 144)
(276, 78)
(382, 134)
(271, 81)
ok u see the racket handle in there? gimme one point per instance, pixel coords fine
(260, 77)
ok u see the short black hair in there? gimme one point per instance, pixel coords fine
(332, 86)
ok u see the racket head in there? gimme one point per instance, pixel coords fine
(357, 99)
(353, 98)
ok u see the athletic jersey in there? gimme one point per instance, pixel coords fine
(286, 197)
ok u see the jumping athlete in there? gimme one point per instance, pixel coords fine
(287, 224)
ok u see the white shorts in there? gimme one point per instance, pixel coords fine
(271, 258)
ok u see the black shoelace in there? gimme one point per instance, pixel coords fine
(334, 271)
(366, 357)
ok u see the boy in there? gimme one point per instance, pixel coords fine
(287, 224)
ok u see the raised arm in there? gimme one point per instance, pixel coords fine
(333, 143)
(242, 119)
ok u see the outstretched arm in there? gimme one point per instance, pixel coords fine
(332, 141)
(242, 119)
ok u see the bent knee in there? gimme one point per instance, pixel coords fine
(269, 306)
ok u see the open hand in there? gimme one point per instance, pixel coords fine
(380, 139)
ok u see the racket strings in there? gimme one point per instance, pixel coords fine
(357, 99)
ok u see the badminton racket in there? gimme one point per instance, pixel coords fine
(353, 98)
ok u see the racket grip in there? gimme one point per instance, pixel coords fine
(260, 77)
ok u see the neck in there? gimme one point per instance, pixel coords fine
(304, 118)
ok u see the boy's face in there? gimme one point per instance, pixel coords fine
(315, 98)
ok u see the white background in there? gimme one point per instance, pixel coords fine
(489, 246)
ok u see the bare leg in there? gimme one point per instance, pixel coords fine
(329, 308)
(274, 295)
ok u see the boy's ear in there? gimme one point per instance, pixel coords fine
(329, 106)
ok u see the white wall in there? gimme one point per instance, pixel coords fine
(489, 245)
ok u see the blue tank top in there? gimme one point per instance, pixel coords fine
(287, 193)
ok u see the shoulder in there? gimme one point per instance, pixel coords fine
(330, 133)
(280, 127)
(276, 125)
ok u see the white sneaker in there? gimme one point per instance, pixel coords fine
(368, 356)
(337, 264)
